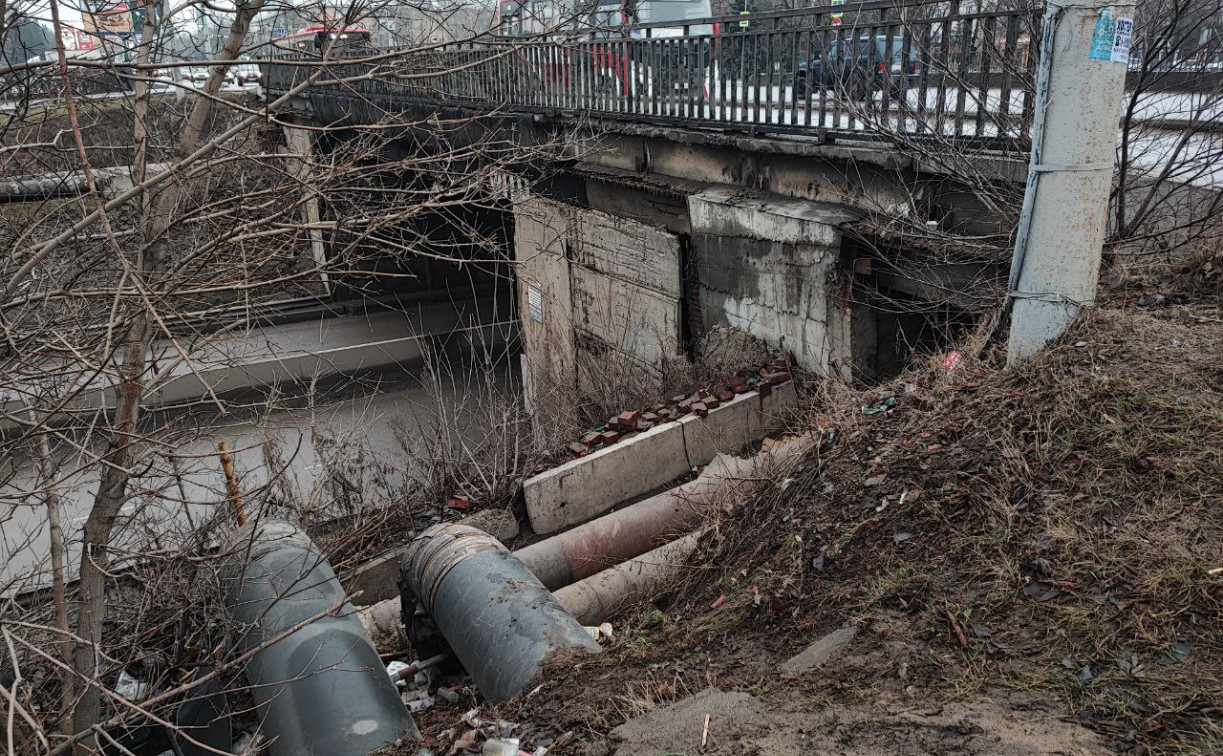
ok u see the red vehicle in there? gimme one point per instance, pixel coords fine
(619, 66)
(316, 38)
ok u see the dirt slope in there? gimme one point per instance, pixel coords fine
(1043, 538)
(1031, 560)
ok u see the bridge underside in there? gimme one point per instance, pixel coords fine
(609, 264)
(848, 257)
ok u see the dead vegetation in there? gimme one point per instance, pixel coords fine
(1053, 530)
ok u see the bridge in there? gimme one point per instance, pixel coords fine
(839, 181)
(933, 72)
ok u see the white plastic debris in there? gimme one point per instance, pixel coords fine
(131, 688)
(601, 633)
(417, 705)
(247, 744)
(394, 668)
(501, 747)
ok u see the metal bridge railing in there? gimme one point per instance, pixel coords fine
(917, 69)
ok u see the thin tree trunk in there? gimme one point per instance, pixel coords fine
(120, 456)
(59, 593)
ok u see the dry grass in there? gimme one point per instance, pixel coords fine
(1065, 516)
(1048, 530)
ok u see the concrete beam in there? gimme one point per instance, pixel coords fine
(585, 488)
(726, 211)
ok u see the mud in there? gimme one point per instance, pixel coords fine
(742, 724)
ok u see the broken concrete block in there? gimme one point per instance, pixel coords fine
(814, 656)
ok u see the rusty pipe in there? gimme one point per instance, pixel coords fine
(596, 598)
(587, 549)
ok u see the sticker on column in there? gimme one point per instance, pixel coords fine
(1111, 41)
(1122, 36)
(535, 302)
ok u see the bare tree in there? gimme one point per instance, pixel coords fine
(158, 222)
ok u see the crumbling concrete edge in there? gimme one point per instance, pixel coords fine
(585, 488)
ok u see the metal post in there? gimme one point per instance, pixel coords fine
(1056, 265)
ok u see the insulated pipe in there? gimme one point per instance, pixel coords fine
(321, 688)
(596, 598)
(583, 551)
(495, 616)
(42, 187)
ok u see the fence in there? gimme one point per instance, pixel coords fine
(913, 68)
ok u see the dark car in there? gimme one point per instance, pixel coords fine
(860, 66)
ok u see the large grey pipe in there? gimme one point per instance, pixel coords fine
(493, 614)
(321, 689)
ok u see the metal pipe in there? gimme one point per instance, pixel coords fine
(42, 187)
(322, 688)
(418, 665)
(609, 540)
(586, 549)
(488, 609)
(596, 598)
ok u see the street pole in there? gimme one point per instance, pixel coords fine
(1056, 265)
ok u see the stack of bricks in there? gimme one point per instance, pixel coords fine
(630, 423)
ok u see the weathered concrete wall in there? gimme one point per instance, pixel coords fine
(545, 305)
(590, 283)
(771, 266)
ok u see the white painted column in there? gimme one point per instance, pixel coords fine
(1084, 52)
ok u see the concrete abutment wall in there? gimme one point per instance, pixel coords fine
(772, 266)
(591, 283)
(593, 290)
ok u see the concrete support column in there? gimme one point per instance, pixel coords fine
(1084, 51)
(299, 141)
(770, 266)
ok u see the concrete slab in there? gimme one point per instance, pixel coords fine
(814, 656)
(585, 488)
(731, 426)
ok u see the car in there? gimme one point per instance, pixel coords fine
(860, 66)
(248, 73)
(200, 74)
